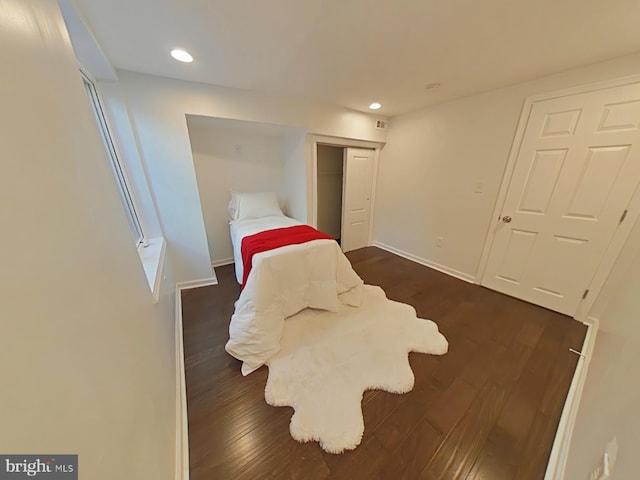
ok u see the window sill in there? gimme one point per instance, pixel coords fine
(152, 258)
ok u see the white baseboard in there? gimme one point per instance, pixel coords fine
(560, 451)
(203, 282)
(222, 262)
(427, 263)
(182, 432)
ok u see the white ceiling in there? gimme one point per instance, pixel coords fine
(353, 52)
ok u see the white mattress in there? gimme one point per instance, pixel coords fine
(242, 228)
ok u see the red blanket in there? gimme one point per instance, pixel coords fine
(276, 238)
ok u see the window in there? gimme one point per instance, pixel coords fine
(116, 166)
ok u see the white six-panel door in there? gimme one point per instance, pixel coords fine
(577, 168)
(356, 198)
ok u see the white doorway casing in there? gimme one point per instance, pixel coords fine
(573, 169)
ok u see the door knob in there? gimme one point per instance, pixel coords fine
(506, 219)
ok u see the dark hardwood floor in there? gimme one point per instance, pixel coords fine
(487, 410)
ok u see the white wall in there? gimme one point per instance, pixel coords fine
(330, 189)
(158, 107)
(231, 155)
(611, 396)
(127, 148)
(86, 360)
(431, 163)
(297, 159)
(434, 157)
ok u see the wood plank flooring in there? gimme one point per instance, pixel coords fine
(488, 409)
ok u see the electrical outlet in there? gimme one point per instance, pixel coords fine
(612, 452)
(478, 186)
(603, 470)
(607, 462)
(439, 242)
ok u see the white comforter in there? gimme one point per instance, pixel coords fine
(281, 283)
(242, 228)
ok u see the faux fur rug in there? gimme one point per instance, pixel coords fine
(327, 360)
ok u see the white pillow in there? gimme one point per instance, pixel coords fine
(244, 206)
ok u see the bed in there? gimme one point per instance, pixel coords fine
(281, 281)
(243, 228)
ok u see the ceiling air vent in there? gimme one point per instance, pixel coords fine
(382, 124)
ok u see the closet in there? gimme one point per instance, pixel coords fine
(344, 189)
(330, 176)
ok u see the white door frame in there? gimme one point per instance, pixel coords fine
(312, 173)
(622, 232)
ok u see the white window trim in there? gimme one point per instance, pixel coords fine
(152, 251)
(152, 255)
(115, 158)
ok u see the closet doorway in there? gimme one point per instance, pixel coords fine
(330, 177)
(344, 193)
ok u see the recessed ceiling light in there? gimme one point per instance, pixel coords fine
(375, 106)
(181, 55)
(433, 85)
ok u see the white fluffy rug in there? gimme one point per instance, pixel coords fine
(327, 360)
